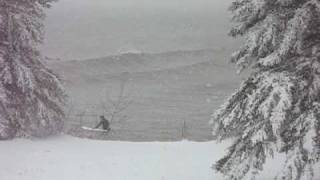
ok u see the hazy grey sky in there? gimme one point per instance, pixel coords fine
(79, 29)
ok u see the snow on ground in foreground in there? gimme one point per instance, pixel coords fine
(69, 158)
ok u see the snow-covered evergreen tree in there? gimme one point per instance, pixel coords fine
(31, 96)
(277, 109)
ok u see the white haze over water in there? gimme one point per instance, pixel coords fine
(80, 29)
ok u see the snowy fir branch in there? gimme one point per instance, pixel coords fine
(277, 108)
(31, 95)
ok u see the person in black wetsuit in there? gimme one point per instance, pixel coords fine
(104, 123)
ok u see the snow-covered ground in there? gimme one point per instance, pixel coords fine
(69, 158)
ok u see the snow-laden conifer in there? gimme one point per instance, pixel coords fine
(31, 96)
(277, 109)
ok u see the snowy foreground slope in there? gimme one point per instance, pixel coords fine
(69, 158)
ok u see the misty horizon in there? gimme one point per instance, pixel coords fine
(90, 29)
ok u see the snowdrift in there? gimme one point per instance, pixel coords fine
(69, 158)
